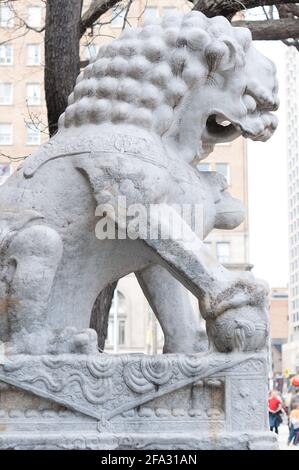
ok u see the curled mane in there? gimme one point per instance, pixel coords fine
(141, 77)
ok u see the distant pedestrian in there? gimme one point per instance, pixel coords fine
(294, 400)
(294, 425)
(275, 411)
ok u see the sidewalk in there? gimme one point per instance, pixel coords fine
(283, 437)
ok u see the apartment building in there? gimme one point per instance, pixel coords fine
(291, 349)
(279, 317)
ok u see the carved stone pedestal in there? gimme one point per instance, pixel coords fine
(71, 401)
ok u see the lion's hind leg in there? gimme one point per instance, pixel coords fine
(30, 257)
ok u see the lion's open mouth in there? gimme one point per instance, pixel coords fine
(221, 128)
(258, 125)
(251, 118)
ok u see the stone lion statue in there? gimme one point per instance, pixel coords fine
(141, 116)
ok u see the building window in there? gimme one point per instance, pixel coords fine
(5, 170)
(118, 304)
(121, 332)
(34, 16)
(6, 93)
(223, 169)
(168, 11)
(279, 295)
(118, 17)
(204, 166)
(33, 94)
(6, 54)
(33, 134)
(5, 134)
(90, 52)
(110, 332)
(33, 54)
(121, 340)
(6, 17)
(151, 13)
(223, 252)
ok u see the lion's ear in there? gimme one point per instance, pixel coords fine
(231, 56)
(214, 54)
(223, 54)
(236, 54)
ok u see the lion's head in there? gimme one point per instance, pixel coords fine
(181, 77)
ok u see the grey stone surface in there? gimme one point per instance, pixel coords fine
(142, 115)
(135, 401)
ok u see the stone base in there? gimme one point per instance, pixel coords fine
(73, 401)
(141, 441)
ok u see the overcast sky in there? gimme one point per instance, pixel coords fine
(268, 215)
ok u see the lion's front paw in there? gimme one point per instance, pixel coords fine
(237, 318)
(238, 329)
(239, 291)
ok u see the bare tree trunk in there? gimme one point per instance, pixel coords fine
(229, 8)
(271, 30)
(62, 55)
(100, 313)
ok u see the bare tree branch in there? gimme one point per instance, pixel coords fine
(12, 159)
(35, 121)
(289, 11)
(9, 40)
(269, 30)
(293, 9)
(95, 11)
(127, 13)
(22, 22)
(229, 8)
(21, 27)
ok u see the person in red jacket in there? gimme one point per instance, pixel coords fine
(275, 410)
